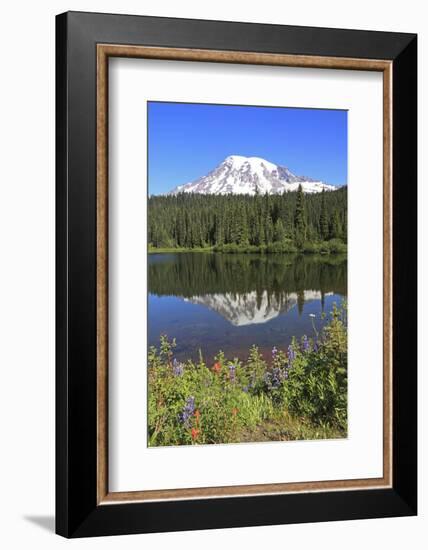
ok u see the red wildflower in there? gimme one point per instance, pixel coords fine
(195, 433)
(197, 415)
(217, 367)
(235, 411)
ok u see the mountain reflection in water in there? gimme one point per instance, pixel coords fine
(251, 308)
(213, 301)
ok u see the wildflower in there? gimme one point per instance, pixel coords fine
(195, 432)
(217, 367)
(177, 368)
(291, 356)
(245, 389)
(197, 416)
(274, 352)
(232, 372)
(277, 376)
(188, 410)
(305, 343)
(235, 411)
(266, 378)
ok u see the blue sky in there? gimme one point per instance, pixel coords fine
(187, 140)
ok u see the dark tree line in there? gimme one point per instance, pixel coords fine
(193, 220)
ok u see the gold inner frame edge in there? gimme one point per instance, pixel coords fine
(104, 52)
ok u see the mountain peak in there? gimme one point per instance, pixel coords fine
(238, 161)
(241, 175)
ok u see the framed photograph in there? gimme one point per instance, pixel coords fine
(236, 250)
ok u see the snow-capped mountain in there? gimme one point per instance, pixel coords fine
(251, 309)
(250, 175)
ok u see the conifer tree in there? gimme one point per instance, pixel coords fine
(279, 232)
(300, 218)
(219, 230)
(324, 223)
(269, 230)
(335, 226)
(260, 230)
(243, 233)
(345, 226)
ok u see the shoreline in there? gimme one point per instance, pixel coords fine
(249, 250)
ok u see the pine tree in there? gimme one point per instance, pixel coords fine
(189, 235)
(219, 231)
(181, 231)
(260, 240)
(335, 226)
(300, 218)
(345, 226)
(311, 234)
(289, 228)
(235, 226)
(269, 230)
(279, 231)
(323, 223)
(243, 233)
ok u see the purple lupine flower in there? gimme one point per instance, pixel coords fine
(277, 376)
(245, 389)
(267, 380)
(291, 356)
(188, 410)
(305, 343)
(274, 352)
(232, 372)
(177, 368)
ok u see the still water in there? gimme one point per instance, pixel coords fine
(229, 302)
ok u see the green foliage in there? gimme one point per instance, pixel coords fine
(300, 226)
(279, 231)
(301, 394)
(317, 384)
(335, 227)
(189, 221)
(324, 224)
(285, 246)
(334, 246)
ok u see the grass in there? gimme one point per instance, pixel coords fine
(334, 246)
(285, 427)
(300, 394)
(168, 250)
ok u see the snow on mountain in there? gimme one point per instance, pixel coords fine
(250, 175)
(250, 308)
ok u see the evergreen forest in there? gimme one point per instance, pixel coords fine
(291, 222)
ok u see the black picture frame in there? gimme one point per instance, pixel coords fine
(77, 511)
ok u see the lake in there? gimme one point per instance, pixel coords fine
(229, 302)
